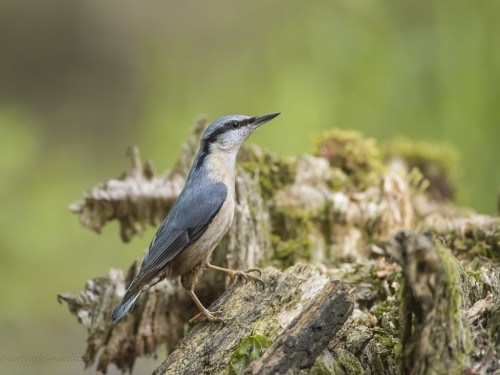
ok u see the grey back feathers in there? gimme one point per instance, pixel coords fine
(192, 213)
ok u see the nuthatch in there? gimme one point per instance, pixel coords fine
(199, 218)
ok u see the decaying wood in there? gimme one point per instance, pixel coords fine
(309, 334)
(289, 299)
(157, 318)
(435, 332)
(423, 304)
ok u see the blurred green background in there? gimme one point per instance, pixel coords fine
(81, 81)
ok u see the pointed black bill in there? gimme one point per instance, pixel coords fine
(263, 119)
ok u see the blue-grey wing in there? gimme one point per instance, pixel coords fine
(188, 219)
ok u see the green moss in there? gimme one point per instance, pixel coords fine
(271, 329)
(405, 323)
(492, 242)
(383, 307)
(388, 341)
(381, 284)
(493, 321)
(321, 367)
(292, 234)
(457, 335)
(290, 251)
(450, 315)
(273, 171)
(437, 162)
(338, 179)
(397, 351)
(476, 240)
(417, 181)
(354, 272)
(346, 363)
(357, 157)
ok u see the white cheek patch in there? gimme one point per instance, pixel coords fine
(234, 138)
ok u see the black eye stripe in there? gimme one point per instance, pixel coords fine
(232, 125)
(228, 126)
(238, 124)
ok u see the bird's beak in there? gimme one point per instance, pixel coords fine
(258, 121)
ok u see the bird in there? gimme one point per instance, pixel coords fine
(199, 218)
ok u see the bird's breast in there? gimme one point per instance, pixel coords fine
(224, 218)
(219, 225)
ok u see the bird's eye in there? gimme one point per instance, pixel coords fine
(234, 125)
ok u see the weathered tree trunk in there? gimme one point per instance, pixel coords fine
(402, 303)
(309, 334)
(281, 312)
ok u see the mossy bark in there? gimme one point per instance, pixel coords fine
(422, 303)
(280, 313)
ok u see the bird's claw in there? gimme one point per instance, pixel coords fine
(246, 275)
(211, 316)
(254, 270)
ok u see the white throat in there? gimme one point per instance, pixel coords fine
(221, 165)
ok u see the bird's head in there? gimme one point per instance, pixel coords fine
(229, 132)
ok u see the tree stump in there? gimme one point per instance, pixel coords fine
(365, 272)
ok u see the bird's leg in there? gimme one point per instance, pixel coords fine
(233, 274)
(188, 280)
(204, 313)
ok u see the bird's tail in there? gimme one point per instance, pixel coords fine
(124, 306)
